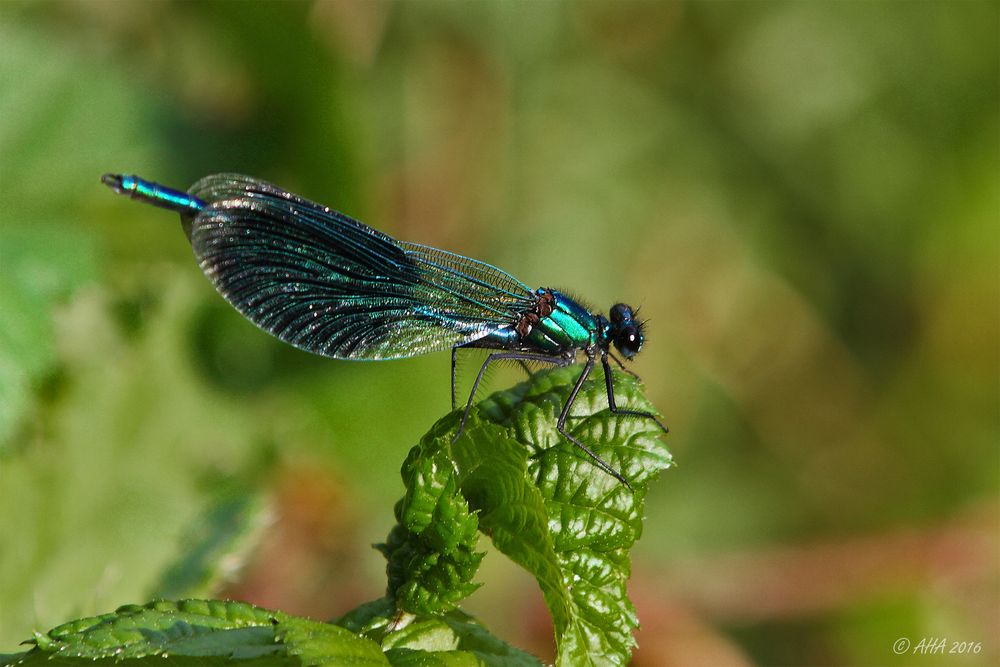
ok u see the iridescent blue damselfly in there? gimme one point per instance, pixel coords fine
(326, 283)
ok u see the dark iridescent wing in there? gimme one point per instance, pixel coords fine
(326, 283)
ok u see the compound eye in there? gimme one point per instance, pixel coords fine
(620, 313)
(629, 341)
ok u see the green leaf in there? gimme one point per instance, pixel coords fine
(543, 502)
(215, 632)
(327, 644)
(431, 551)
(209, 631)
(454, 638)
(405, 657)
(592, 520)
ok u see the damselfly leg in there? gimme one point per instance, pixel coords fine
(564, 415)
(613, 407)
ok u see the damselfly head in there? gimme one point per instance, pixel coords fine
(626, 331)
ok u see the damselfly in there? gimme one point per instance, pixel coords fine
(328, 284)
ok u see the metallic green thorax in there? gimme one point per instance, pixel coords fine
(568, 326)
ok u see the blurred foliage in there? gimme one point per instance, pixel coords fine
(803, 197)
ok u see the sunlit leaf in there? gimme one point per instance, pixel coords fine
(454, 638)
(209, 632)
(556, 514)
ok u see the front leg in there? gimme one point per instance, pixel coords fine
(561, 426)
(621, 365)
(609, 382)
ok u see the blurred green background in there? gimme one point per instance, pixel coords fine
(802, 197)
